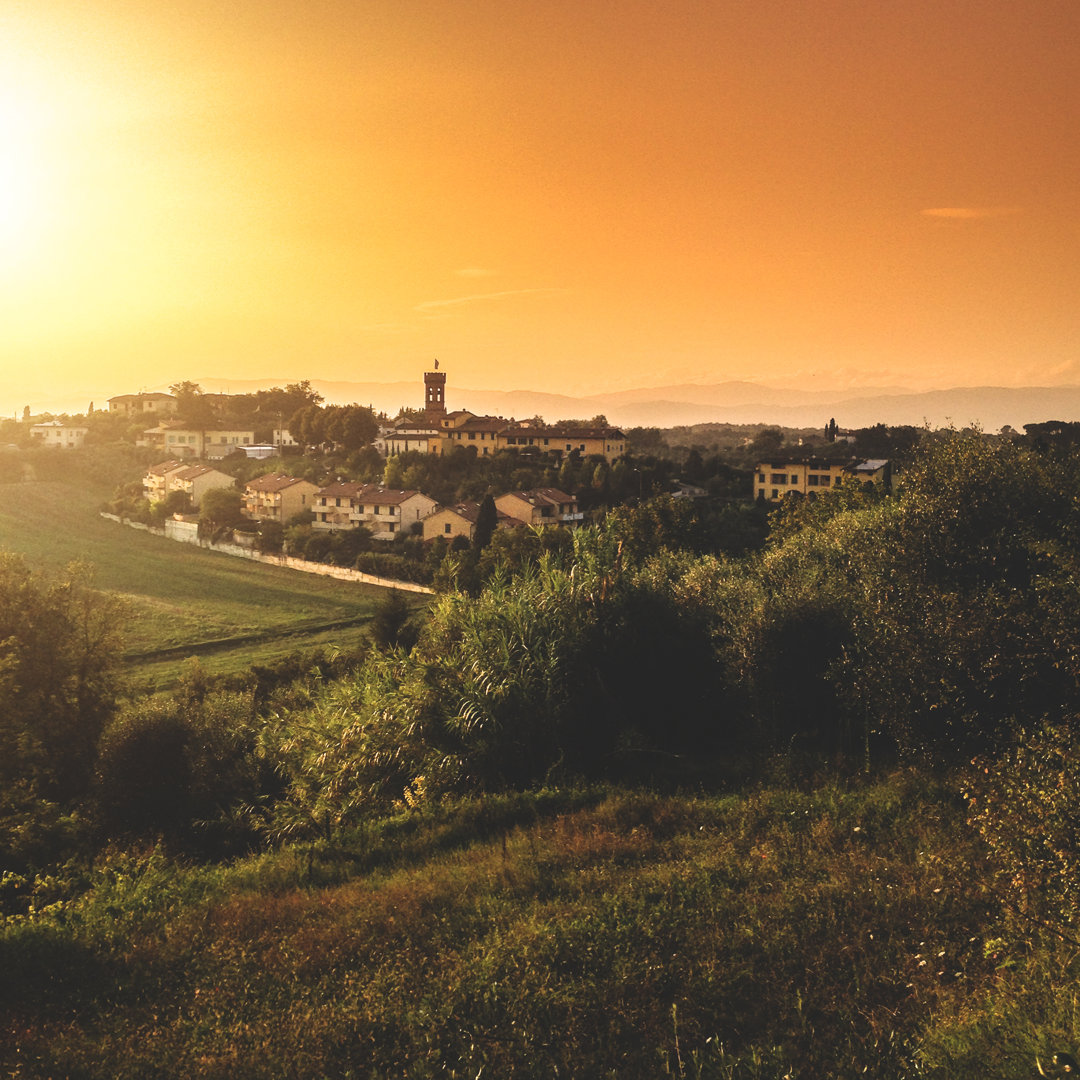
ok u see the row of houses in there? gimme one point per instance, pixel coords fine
(386, 512)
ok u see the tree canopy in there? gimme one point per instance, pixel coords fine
(59, 650)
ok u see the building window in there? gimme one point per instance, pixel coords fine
(794, 478)
(775, 493)
(778, 478)
(448, 528)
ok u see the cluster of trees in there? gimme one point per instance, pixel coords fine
(349, 427)
(59, 648)
(742, 446)
(265, 411)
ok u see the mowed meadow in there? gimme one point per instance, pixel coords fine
(182, 601)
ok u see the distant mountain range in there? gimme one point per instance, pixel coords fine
(989, 407)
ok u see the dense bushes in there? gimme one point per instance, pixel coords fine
(181, 767)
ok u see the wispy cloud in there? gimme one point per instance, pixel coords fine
(390, 328)
(477, 298)
(972, 213)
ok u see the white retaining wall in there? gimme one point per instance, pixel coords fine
(342, 573)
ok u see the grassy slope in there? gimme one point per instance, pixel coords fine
(830, 933)
(181, 596)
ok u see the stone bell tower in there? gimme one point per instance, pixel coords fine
(435, 395)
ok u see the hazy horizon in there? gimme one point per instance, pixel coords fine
(672, 405)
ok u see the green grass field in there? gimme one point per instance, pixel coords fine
(184, 601)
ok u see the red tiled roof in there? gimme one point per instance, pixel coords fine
(271, 482)
(369, 493)
(193, 472)
(565, 432)
(548, 495)
(163, 467)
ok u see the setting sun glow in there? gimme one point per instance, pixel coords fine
(24, 181)
(570, 197)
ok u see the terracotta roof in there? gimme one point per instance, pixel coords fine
(193, 472)
(470, 511)
(809, 462)
(557, 432)
(482, 423)
(163, 467)
(370, 493)
(542, 495)
(347, 488)
(274, 482)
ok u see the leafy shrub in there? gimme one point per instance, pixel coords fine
(181, 767)
(1026, 806)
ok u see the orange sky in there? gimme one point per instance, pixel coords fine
(563, 195)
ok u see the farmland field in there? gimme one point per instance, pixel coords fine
(183, 600)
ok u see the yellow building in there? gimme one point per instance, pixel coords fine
(540, 506)
(606, 442)
(807, 476)
(157, 483)
(442, 431)
(143, 405)
(197, 480)
(277, 497)
(387, 512)
(460, 520)
(464, 430)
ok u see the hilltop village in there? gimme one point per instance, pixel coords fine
(279, 472)
(382, 508)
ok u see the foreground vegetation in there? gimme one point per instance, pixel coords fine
(781, 932)
(837, 930)
(618, 806)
